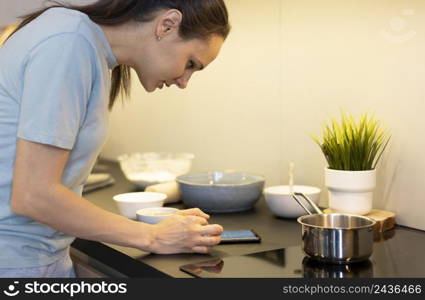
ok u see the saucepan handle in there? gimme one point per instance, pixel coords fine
(315, 207)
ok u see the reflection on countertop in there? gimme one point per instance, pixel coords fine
(291, 262)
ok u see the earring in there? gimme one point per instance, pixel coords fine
(158, 38)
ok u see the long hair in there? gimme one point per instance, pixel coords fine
(201, 19)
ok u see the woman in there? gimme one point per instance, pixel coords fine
(54, 85)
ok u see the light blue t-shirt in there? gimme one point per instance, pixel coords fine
(54, 90)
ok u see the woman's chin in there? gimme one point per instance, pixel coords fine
(149, 89)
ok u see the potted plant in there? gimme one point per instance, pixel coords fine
(352, 150)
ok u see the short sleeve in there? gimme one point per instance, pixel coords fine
(57, 83)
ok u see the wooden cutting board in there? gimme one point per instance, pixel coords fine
(385, 220)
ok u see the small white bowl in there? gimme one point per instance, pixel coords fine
(153, 215)
(129, 203)
(281, 203)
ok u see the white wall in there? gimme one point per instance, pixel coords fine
(287, 66)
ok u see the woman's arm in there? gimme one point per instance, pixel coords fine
(39, 194)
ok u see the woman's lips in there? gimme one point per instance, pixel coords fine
(162, 83)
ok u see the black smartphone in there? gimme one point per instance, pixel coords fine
(239, 236)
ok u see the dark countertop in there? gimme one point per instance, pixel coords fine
(398, 253)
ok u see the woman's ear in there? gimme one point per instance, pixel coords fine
(168, 23)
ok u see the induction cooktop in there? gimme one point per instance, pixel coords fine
(291, 262)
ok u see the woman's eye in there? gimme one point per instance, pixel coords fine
(190, 65)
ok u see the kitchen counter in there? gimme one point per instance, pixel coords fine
(397, 253)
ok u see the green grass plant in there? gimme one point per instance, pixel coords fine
(353, 146)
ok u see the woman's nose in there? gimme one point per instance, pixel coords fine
(182, 81)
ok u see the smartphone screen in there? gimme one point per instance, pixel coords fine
(239, 236)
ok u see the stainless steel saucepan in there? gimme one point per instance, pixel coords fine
(335, 238)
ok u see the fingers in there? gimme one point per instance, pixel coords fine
(198, 220)
(214, 229)
(188, 219)
(194, 212)
(200, 249)
(186, 233)
(209, 240)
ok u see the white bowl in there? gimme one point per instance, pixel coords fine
(153, 215)
(145, 169)
(281, 203)
(129, 203)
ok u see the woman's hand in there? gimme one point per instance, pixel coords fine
(185, 232)
(193, 212)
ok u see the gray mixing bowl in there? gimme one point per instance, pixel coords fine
(220, 192)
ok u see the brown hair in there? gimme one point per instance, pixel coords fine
(201, 19)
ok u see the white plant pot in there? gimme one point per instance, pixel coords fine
(350, 191)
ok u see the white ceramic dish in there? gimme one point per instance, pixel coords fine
(149, 168)
(281, 203)
(129, 203)
(153, 215)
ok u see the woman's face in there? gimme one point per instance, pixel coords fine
(174, 61)
(170, 59)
